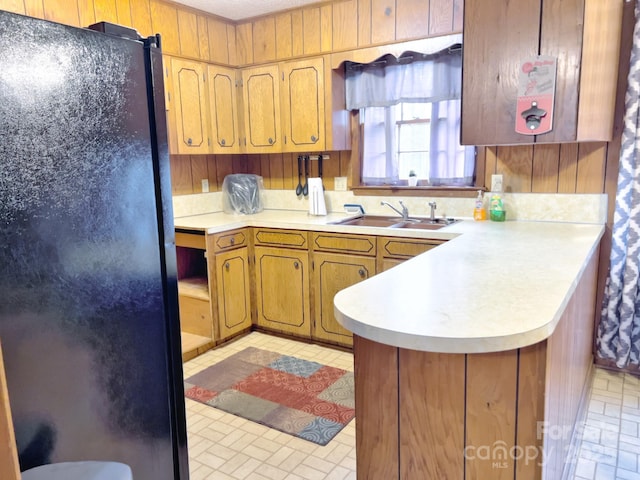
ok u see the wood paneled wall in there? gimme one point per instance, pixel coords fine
(339, 25)
(279, 171)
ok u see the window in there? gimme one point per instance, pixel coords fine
(410, 119)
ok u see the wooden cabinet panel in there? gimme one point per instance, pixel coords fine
(282, 290)
(233, 292)
(284, 43)
(105, 11)
(164, 20)
(383, 21)
(190, 106)
(223, 109)
(244, 43)
(426, 445)
(33, 8)
(303, 105)
(264, 40)
(203, 37)
(141, 18)
(14, 6)
(123, 8)
(377, 410)
(195, 316)
(62, 11)
(311, 30)
(412, 18)
(345, 25)
(281, 238)
(229, 240)
(188, 31)
(86, 12)
(218, 41)
(343, 243)
(261, 104)
(491, 412)
(333, 272)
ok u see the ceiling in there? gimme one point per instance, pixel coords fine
(242, 9)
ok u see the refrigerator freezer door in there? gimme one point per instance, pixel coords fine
(88, 316)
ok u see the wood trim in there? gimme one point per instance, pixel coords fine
(599, 69)
(9, 467)
(376, 398)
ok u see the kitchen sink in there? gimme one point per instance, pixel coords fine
(397, 222)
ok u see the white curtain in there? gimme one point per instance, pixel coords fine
(618, 336)
(378, 88)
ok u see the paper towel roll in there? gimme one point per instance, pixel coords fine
(317, 205)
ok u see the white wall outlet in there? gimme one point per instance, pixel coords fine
(496, 183)
(340, 184)
(205, 185)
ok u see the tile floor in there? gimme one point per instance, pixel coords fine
(225, 447)
(610, 434)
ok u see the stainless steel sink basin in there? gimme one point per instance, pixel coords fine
(397, 222)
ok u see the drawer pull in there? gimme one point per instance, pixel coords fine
(361, 272)
(296, 265)
(232, 241)
(227, 266)
(270, 141)
(189, 141)
(222, 142)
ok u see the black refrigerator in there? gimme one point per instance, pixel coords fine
(88, 290)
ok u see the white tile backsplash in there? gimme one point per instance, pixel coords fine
(560, 207)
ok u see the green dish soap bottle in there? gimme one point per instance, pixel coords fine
(496, 209)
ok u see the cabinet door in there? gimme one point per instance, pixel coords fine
(333, 272)
(232, 279)
(190, 99)
(261, 104)
(223, 109)
(303, 105)
(282, 290)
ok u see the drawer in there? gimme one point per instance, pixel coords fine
(195, 316)
(340, 243)
(272, 237)
(221, 242)
(393, 247)
(191, 239)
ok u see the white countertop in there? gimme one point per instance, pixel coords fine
(492, 287)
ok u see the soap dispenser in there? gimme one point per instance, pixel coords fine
(479, 212)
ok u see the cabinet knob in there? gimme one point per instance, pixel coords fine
(227, 266)
(361, 272)
(232, 241)
(270, 141)
(296, 265)
(189, 141)
(222, 142)
(314, 138)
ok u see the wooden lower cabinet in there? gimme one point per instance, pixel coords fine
(282, 290)
(333, 272)
(393, 251)
(233, 292)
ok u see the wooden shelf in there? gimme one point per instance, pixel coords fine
(195, 287)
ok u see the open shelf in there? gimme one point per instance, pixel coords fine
(194, 287)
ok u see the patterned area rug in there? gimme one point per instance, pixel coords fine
(299, 397)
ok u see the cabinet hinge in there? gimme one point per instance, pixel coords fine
(313, 265)
(208, 142)
(285, 139)
(283, 76)
(169, 96)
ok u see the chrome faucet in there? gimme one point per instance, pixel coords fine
(433, 207)
(404, 213)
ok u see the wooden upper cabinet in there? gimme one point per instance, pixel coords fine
(223, 109)
(261, 108)
(190, 102)
(583, 35)
(303, 105)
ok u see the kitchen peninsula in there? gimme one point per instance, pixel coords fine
(471, 360)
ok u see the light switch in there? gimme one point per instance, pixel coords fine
(205, 185)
